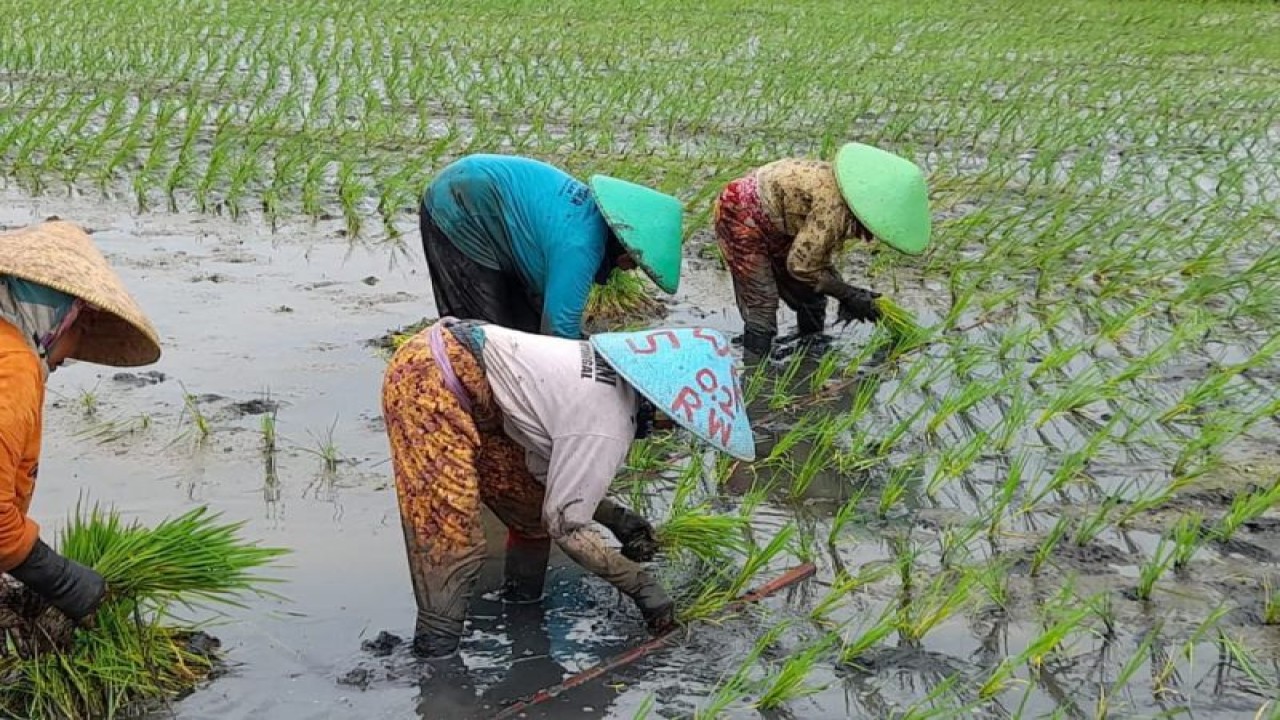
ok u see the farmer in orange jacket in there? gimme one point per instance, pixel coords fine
(781, 225)
(59, 300)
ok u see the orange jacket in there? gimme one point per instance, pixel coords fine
(21, 418)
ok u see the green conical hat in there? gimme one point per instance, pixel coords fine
(647, 223)
(887, 194)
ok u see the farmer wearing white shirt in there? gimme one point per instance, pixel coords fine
(536, 428)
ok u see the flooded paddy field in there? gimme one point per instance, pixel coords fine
(1058, 501)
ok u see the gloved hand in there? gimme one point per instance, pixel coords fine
(67, 585)
(587, 547)
(855, 303)
(639, 542)
(657, 607)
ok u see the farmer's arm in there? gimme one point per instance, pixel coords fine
(571, 268)
(811, 259)
(19, 430)
(18, 532)
(69, 586)
(578, 475)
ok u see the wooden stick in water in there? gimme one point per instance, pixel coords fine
(790, 577)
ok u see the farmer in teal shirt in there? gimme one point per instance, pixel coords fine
(517, 242)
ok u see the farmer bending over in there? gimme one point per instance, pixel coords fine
(780, 226)
(517, 242)
(535, 428)
(58, 299)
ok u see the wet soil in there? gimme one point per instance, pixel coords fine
(288, 326)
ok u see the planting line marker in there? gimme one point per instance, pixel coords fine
(790, 577)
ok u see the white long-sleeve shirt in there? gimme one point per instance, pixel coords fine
(572, 413)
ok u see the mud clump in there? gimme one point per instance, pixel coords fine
(142, 379)
(357, 677)
(260, 406)
(383, 645)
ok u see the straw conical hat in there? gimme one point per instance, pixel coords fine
(61, 256)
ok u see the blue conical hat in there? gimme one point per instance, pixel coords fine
(688, 374)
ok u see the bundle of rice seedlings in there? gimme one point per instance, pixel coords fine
(900, 323)
(703, 534)
(623, 301)
(135, 654)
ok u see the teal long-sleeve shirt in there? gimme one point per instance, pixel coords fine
(526, 217)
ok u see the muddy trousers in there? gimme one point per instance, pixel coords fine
(756, 254)
(463, 288)
(446, 462)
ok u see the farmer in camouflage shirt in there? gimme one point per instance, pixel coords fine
(780, 226)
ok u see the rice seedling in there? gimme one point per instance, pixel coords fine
(1242, 658)
(1244, 508)
(900, 324)
(944, 596)
(326, 449)
(1103, 705)
(131, 656)
(88, 401)
(1187, 534)
(1033, 656)
(1270, 604)
(788, 683)
(1090, 526)
(1151, 570)
(869, 637)
(896, 488)
(200, 425)
(735, 688)
(842, 586)
(1044, 550)
(266, 425)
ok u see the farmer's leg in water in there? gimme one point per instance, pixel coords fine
(809, 305)
(516, 498)
(435, 446)
(745, 251)
(464, 288)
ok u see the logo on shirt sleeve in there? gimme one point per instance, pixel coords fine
(595, 368)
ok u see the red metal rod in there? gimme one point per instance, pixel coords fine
(790, 577)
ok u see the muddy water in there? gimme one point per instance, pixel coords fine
(254, 321)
